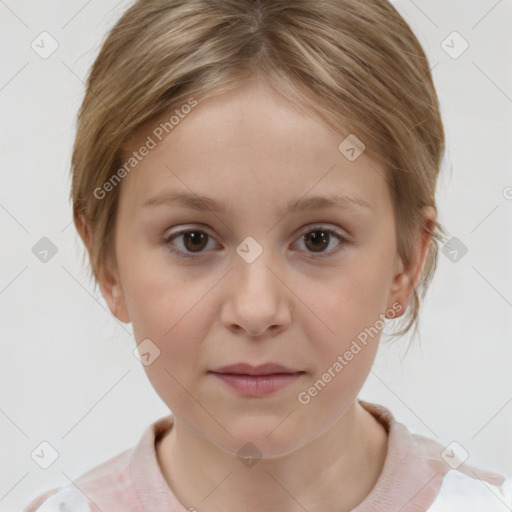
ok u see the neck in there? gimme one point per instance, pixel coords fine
(334, 472)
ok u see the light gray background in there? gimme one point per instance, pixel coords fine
(68, 374)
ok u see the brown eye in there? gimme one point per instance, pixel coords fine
(318, 239)
(193, 242)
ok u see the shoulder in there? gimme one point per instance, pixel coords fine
(460, 492)
(59, 500)
(115, 484)
(464, 487)
(435, 477)
(108, 479)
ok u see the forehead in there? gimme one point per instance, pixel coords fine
(249, 145)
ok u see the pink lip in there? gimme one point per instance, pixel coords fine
(257, 381)
(258, 385)
(262, 369)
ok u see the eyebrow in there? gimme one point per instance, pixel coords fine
(209, 204)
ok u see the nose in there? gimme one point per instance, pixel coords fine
(258, 301)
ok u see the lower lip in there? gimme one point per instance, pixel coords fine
(258, 385)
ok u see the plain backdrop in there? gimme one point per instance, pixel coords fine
(68, 374)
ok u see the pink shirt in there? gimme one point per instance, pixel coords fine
(415, 478)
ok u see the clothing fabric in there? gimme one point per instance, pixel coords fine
(416, 477)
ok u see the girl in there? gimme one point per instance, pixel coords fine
(258, 130)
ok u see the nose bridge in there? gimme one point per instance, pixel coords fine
(257, 294)
(258, 288)
(254, 261)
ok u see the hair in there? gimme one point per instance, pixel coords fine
(355, 63)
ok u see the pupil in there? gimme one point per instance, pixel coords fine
(193, 237)
(323, 238)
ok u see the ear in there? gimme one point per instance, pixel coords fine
(108, 278)
(406, 280)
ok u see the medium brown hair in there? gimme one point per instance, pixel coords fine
(356, 63)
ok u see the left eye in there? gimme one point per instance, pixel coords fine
(194, 241)
(318, 238)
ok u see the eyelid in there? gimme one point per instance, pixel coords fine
(343, 240)
(171, 236)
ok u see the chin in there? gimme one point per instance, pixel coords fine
(269, 437)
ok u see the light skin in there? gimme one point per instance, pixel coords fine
(252, 149)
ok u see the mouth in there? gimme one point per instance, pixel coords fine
(257, 381)
(260, 370)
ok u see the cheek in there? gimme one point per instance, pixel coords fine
(153, 289)
(170, 313)
(348, 305)
(167, 306)
(167, 311)
(369, 281)
(344, 352)
(348, 320)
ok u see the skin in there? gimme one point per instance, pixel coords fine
(254, 150)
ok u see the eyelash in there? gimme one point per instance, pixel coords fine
(327, 254)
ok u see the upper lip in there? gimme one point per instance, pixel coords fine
(263, 369)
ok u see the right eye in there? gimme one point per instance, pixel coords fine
(192, 240)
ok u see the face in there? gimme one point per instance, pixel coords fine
(255, 281)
